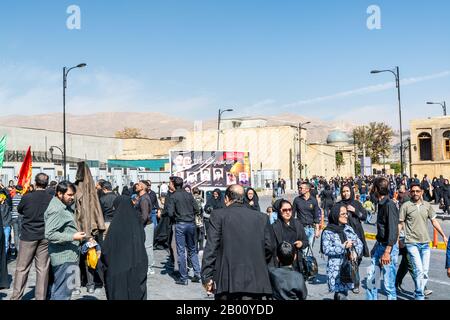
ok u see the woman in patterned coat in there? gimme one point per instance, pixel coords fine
(336, 238)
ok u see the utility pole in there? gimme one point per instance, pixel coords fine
(363, 162)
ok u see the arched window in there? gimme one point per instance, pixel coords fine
(425, 149)
(446, 136)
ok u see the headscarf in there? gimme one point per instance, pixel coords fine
(89, 214)
(334, 225)
(124, 255)
(350, 200)
(215, 203)
(126, 191)
(279, 205)
(255, 200)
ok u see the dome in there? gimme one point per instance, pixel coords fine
(337, 137)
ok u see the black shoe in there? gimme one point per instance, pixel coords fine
(181, 282)
(400, 289)
(195, 279)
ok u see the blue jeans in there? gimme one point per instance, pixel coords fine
(16, 226)
(185, 239)
(65, 280)
(149, 231)
(7, 232)
(389, 273)
(419, 254)
(310, 236)
(154, 217)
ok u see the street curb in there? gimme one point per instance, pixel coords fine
(440, 246)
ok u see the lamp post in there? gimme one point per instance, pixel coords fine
(218, 124)
(65, 74)
(396, 73)
(442, 104)
(300, 125)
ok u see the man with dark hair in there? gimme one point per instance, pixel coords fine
(107, 204)
(218, 178)
(385, 252)
(307, 210)
(414, 215)
(63, 241)
(237, 251)
(144, 207)
(287, 284)
(183, 208)
(33, 244)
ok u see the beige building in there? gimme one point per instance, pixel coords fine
(276, 148)
(272, 148)
(430, 146)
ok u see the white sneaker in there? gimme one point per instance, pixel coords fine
(427, 292)
(150, 271)
(76, 292)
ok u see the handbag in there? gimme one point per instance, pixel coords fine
(310, 266)
(348, 272)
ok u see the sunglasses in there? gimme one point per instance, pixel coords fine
(286, 210)
(343, 214)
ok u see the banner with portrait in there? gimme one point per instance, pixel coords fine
(217, 169)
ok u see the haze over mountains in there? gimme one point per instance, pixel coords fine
(155, 124)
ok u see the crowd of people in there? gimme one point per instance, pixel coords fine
(222, 238)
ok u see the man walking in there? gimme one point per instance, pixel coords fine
(144, 207)
(183, 207)
(307, 210)
(413, 217)
(385, 252)
(33, 244)
(107, 204)
(63, 241)
(237, 251)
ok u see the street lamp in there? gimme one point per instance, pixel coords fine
(444, 106)
(65, 74)
(396, 73)
(300, 125)
(218, 124)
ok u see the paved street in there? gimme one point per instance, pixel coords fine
(161, 286)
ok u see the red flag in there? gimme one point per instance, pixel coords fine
(25, 172)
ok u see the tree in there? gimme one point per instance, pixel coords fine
(339, 159)
(128, 133)
(376, 138)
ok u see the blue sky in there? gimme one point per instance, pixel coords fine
(188, 58)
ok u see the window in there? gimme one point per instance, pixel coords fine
(425, 149)
(446, 136)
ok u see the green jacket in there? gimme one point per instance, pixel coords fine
(60, 227)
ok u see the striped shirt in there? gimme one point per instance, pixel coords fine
(15, 204)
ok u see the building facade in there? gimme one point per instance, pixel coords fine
(430, 146)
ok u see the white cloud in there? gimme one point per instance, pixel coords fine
(367, 90)
(34, 90)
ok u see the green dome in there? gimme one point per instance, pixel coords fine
(337, 137)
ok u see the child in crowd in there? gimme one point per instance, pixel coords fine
(287, 284)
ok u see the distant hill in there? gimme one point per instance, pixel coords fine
(156, 125)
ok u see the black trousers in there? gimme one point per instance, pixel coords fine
(404, 267)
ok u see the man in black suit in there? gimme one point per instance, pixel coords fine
(237, 251)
